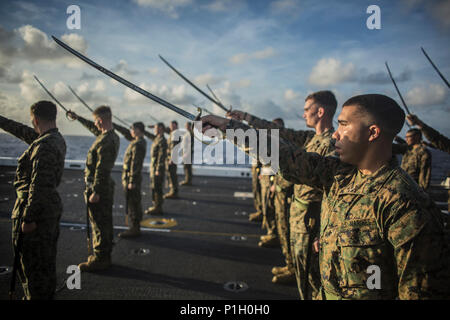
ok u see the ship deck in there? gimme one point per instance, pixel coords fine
(208, 243)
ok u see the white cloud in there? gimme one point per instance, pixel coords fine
(204, 79)
(291, 95)
(176, 95)
(224, 5)
(39, 47)
(330, 71)
(288, 7)
(433, 94)
(123, 70)
(257, 55)
(153, 71)
(169, 7)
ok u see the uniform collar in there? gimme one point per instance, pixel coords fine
(368, 184)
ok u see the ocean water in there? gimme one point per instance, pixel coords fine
(78, 146)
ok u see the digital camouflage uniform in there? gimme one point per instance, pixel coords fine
(158, 155)
(383, 219)
(256, 188)
(268, 205)
(283, 197)
(304, 215)
(416, 162)
(38, 174)
(440, 142)
(171, 167)
(99, 164)
(132, 174)
(188, 157)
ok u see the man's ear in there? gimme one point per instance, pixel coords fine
(374, 132)
(320, 112)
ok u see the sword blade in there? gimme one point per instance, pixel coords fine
(48, 92)
(193, 85)
(396, 88)
(81, 100)
(90, 109)
(126, 82)
(212, 92)
(435, 68)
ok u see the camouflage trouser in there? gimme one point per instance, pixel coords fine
(282, 219)
(188, 173)
(100, 217)
(304, 223)
(134, 210)
(157, 189)
(172, 177)
(37, 269)
(268, 209)
(256, 188)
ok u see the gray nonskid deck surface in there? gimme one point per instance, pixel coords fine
(193, 261)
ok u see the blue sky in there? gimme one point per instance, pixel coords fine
(259, 56)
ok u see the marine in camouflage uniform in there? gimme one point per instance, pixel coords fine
(437, 140)
(416, 159)
(38, 174)
(268, 208)
(256, 190)
(283, 199)
(158, 155)
(188, 154)
(132, 176)
(382, 219)
(304, 215)
(99, 183)
(171, 167)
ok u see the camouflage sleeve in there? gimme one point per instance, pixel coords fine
(43, 181)
(425, 170)
(123, 131)
(161, 157)
(149, 135)
(88, 124)
(298, 137)
(438, 140)
(295, 164)
(282, 183)
(105, 162)
(418, 250)
(399, 148)
(137, 160)
(19, 130)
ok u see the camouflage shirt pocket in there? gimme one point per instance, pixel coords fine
(360, 247)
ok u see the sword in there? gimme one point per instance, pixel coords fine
(396, 88)
(435, 68)
(218, 103)
(48, 92)
(145, 93)
(204, 109)
(212, 92)
(90, 109)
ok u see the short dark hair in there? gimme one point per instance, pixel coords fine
(139, 125)
(175, 122)
(103, 112)
(45, 110)
(279, 121)
(324, 99)
(160, 125)
(385, 111)
(415, 131)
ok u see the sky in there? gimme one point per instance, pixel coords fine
(263, 57)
